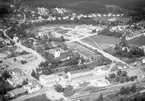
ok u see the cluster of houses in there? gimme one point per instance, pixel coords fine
(21, 83)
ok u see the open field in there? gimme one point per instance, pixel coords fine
(101, 40)
(82, 50)
(137, 40)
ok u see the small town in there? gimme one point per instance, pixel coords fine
(57, 53)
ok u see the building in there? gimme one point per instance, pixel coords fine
(17, 77)
(16, 92)
(56, 52)
(32, 86)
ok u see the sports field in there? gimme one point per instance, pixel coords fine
(101, 40)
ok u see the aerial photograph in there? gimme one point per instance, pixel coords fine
(72, 50)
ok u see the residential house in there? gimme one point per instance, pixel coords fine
(32, 86)
(17, 77)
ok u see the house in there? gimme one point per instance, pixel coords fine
(56, 52)
(65, 56)
(16, 92)
(17, 77)
(32, 86)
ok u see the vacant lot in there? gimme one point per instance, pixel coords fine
(101, 40)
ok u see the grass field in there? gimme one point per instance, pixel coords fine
(137, 41)
(82, 50)
(101, 40)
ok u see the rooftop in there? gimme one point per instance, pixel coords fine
(17, 91)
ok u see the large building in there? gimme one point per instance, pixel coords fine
(17, 77)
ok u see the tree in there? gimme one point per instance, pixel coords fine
(127, 79)
(6, 75)
(64, 46)
(122, 91)
(100, 98)
(122, 80)
(124, 73)
(133, 88)
(117, 79)
(35, 75)
(132, 78)
(62, 39)
(127, 90)
(119, 72)
(112, 75)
